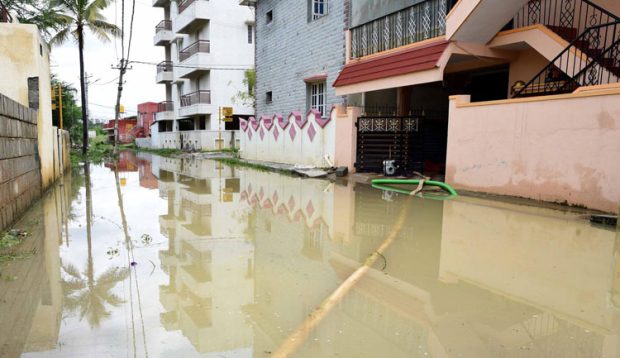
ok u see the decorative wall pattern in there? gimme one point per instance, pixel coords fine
(293, 139)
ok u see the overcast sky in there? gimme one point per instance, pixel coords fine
(140, 83)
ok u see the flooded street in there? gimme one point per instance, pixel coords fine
(196, 258)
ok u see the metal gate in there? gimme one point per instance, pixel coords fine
(382, 138)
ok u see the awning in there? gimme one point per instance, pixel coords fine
(395, 63)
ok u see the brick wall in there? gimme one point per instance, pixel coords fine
(20, 175)
(292, 48)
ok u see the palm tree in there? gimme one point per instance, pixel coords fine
(80, 16)
(82, 291)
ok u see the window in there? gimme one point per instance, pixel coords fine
(250, 34)
(269, 97)
(319, 8)
(269, 16)
(317, 97)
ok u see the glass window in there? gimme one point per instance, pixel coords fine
(319, 8)
(250, 34)
(317, 97)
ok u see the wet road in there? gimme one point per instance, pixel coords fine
(201, 259)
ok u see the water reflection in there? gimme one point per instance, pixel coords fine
(214, 260)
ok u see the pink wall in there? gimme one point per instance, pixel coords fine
(146, 116)
(557, 149)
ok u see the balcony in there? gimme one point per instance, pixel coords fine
(196, 103)
(164, 72)
(195, 59)
(163, 33)
(165, 111)
(192, 15)
(422, 21)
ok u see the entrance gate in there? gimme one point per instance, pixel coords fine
(398, 138)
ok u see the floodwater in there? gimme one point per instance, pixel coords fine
(198, 259)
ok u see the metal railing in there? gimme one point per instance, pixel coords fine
(568, 18)
(592, 58)
(164, 66)
(416, 23)
(202, 96)
(185, 4)
(5, 16)
(166, 106)
(200, 46)
(164, 25)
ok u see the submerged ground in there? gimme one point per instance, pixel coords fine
(182, 258)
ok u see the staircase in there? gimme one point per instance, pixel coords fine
(593, 54)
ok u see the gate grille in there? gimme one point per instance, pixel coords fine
(382, 138)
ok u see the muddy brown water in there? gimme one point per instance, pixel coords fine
(199, 259)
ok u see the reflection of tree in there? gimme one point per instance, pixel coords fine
(82, 291)
(88, 295)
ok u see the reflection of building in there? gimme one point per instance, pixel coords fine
(126, 162)
(208, 259)
(473, 278)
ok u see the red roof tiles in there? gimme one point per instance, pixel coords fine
(392, 64)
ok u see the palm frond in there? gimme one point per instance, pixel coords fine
(102, 30)
(72, 271)
(61, 37)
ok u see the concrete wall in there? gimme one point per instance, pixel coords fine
(20, 175)
(303, 139)
(558, 148)
(290, 49)
(24, 55)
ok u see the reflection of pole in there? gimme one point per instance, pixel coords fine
(297, 338)
(89, 216)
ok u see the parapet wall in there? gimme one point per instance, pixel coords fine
(558, 148)
(20, 169)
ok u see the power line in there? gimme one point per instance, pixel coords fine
(133, 11)
(197, 67)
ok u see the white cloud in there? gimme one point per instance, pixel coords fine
(140, 83)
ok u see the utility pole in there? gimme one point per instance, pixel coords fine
(60, 104)
(122, 67)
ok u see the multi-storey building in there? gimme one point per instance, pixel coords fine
(209, 45)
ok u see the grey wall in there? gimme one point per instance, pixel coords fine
(290, 49)
(20, 174)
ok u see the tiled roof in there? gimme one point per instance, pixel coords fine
(393, 64)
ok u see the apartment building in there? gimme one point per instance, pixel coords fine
(209, 45)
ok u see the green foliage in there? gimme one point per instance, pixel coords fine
(247, 98)
(71, 112)
(12, 238)
(38, 12)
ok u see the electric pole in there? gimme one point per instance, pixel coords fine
(122, 67)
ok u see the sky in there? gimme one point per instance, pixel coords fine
(140, 85)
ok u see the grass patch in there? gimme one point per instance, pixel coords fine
(12, 238)
(236, 162)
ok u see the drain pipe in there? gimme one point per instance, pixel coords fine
(301, 334)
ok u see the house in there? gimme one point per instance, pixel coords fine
(146, 117)
(519, 98)
(209, 46)
(33, 153)
(126, 129)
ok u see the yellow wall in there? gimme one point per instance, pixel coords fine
(23, 54)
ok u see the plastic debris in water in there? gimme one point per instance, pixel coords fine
(133, 263)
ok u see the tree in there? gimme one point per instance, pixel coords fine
(247, 98)
(37, 12)
(71, 112)
(84, 15)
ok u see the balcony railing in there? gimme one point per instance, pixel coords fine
(5, 16)
(164, 25)
(166, 106)
(185, 4)
(198, 97)
(416, 23)
(203, 46)
(164, 66)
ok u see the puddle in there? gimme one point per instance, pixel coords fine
(201, 259)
